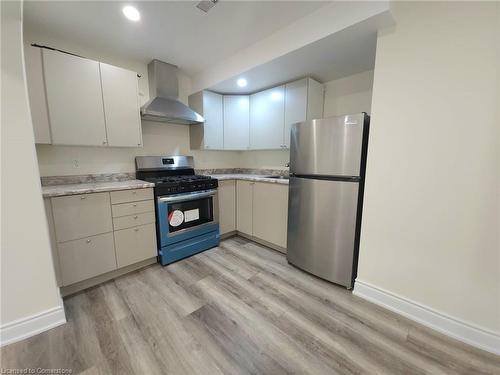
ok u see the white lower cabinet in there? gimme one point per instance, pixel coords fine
(87, 257)
(262, 211)
(270, 212)
(93, 236)
(135, 244)
(84, 215)
(227, 206)
(244, 204)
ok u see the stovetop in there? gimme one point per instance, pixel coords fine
(172, 174)
(177, 179)
(182, 184)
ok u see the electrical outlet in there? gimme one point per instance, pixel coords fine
(76, 164)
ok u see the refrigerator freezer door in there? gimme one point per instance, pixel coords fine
(328, 147)
(322, 226)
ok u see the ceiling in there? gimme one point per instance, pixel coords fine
(341, 54)
(173, 31)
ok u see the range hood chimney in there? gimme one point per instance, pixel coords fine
(163, 105)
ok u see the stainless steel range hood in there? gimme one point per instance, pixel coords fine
(164, 91)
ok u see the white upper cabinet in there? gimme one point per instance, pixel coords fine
(77, 101)
(74, 99)
(267, 116)
(303, 101)
(209, 135)
(121, 106)
(36, 93)
(236, 122)
(261, 121)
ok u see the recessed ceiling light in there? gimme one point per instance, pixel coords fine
(131, 13)
(242, 82)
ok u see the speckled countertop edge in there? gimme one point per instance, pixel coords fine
(93, 187)
(58, 186)
(250, 177)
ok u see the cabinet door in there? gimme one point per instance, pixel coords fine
(121, 106)
(270, 212)
(135, 244)
(227, 206)
(87, 257)
(244, 212)
(236, 122)
(36, 93)
(78, 216)
(295, 106)
(74, 98)
(213, 128)
(267, 111)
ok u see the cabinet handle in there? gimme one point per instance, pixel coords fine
(136, 229)
(135, 217)
(135, 204)
(89, 241)
(82, 198)
(139, 144)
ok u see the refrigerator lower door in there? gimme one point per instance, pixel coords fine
(322, 227)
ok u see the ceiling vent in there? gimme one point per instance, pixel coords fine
(206, 5)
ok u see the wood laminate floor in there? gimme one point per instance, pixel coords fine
(237, 309)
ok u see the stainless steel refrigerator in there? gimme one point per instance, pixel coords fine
(327, 171)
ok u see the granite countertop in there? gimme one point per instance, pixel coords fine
(93, 187)
(250, 177)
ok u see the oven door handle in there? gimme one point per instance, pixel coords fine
(188, 197)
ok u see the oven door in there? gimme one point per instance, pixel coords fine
(183, 216)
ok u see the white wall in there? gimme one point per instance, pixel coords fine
(430, 231)
(347, 95)
(158, 138)
(28, 285)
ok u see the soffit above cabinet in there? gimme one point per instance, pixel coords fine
(342, 54)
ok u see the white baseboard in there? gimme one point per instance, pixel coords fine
(448, 325)
(32, 325)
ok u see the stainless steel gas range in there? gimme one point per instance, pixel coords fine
(187, 209)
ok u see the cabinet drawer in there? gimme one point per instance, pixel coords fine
(78, 216)
(135, 244)
(123, 196)
(133, 220)
(86, 258)
(132, 208)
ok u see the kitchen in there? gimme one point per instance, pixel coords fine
(104, 216)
